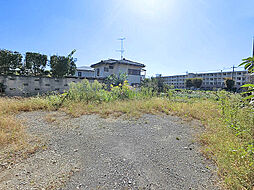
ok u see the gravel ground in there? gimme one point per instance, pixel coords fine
(89, 152)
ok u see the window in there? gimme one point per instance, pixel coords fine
(106, 69)
(98, 72)
(111, 67)
(133, 72)
(79, 74)
(238, 78)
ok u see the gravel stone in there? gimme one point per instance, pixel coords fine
(89, 152)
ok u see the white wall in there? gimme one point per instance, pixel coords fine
(84, 73)
(119, 68)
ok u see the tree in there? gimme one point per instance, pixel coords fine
(10, 61)
(188, 83)
(156, 84)
(230, 83)
(35, 63)
(63, 66)
(248, 64)
(197, 82)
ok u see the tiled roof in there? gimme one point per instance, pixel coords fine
(122, 61)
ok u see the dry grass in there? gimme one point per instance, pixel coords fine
(15, 143)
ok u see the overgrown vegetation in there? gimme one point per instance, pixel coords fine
(227, 117)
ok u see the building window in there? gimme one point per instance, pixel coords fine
(79, 74)
(238, 78)
(106, 69)
(111, 67)
(98, 72)
(133, 72)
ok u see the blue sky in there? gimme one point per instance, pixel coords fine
(169, 36)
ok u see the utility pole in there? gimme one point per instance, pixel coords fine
(122, 50)
(233, 71)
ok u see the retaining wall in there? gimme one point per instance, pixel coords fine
(29, 85)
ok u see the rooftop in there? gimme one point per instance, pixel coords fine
(85, 68)
(122, 61)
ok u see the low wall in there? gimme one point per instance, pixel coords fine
(29, 85)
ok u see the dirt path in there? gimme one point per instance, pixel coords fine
(153, 152)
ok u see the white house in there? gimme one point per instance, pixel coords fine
(84, 71)
(132, 69)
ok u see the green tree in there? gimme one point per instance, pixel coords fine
(248, 64)
(197, 82)
(35, 64)
(10, 62)
(230, 83)
(156, 84)
(63, 66)
(188, 83)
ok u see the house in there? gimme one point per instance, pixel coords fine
(132, 69)
(84, 72)
(211, 80)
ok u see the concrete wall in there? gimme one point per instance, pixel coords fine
(29, 86)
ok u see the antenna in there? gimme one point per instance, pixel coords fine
(122, 50)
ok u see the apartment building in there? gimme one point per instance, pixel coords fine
(211, 80)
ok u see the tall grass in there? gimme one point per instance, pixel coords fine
(228, 119)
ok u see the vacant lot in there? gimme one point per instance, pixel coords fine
(89, 152)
